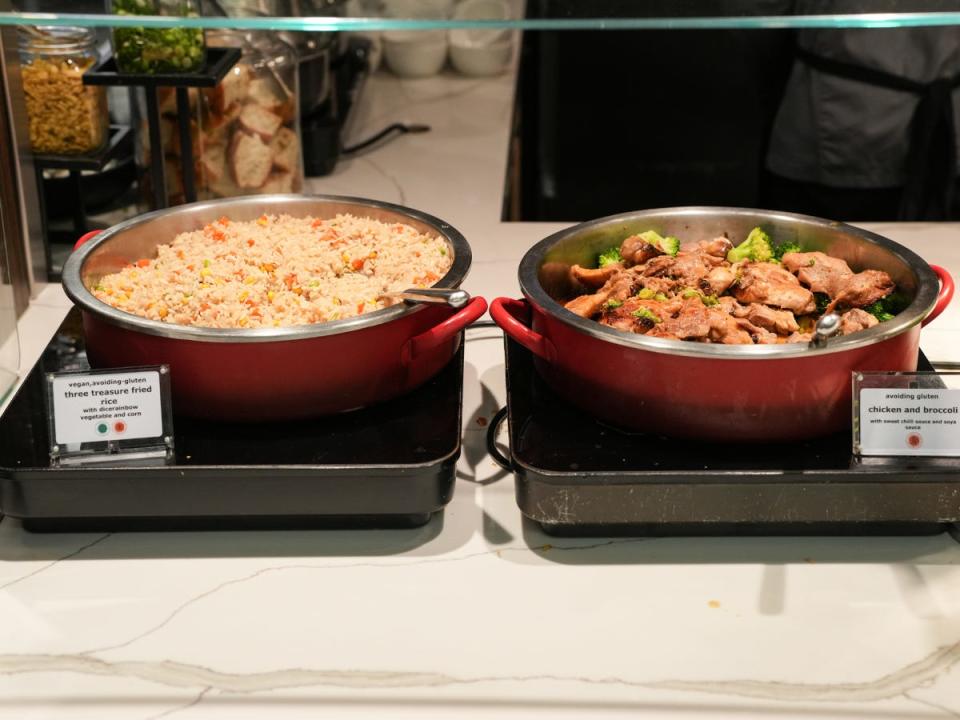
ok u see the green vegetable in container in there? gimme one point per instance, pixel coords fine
(822, 300)
(756, 247)
(667, 245)
(887, 308)
(609, 257)
(648, 294)
(707, 300)
(646, 314)
(783, 248)
(157, 50)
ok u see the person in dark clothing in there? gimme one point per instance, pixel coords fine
(866, 128)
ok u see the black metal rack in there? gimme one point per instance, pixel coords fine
(219, 62)
(75, 165)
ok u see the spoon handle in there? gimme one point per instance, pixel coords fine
(437, 296)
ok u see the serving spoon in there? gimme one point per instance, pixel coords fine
(827, 327)
(436, 296)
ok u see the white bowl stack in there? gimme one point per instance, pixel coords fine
(475, 52)
(479, 51)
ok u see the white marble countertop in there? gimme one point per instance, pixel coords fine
(478, 613)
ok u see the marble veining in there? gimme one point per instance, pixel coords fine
(353, 566)
(42, 568)
(401, 195)
(918, 675)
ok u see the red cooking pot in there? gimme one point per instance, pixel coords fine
(271, 373)
(712, 391)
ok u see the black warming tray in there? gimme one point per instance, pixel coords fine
(392, 465)
(576, 475)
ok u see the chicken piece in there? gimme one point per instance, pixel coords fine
(862, 289)
(635, 250)
(803, 337)
(657, 284)
(594, 277)
(717, 281)
(855, 320)
(588, 305)
(687, 268)
(781, 322)
(639, 315)
(819, 272)
(692, 321)
(731, 306)
(770, 284)
(729, 330)
(718, 247)
(620, 286)
(762, 336)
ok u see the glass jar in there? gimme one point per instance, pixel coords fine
(65, 117)
(158, 50)
(249, 123)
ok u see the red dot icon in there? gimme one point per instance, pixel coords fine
(914, 440)
(119, 426)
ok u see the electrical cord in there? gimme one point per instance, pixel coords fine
(400, 128)
(498, 457)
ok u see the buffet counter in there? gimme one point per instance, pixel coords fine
(478, 612)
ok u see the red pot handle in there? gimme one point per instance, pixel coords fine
(943, 297)
(85, 237)
(439, 334)
(506, 312)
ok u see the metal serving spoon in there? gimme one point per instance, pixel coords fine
(436, 296)
(827, 327)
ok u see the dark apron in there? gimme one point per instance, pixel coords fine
(931, 164)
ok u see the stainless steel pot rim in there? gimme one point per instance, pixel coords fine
(923, 302)
(77, 291)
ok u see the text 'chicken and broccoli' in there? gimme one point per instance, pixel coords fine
(711, 291)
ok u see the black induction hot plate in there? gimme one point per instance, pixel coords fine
(389, 465)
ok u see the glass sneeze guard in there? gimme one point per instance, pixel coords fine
(869, 15)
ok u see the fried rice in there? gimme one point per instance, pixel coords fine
(277, 271)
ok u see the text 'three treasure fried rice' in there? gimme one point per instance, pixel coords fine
(277, 271)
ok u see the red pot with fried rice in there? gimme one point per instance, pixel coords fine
(736, 377)
(317, 366)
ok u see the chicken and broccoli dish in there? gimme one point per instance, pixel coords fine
(714, 292)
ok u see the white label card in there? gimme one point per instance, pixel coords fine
(107, 406)
(907, 421)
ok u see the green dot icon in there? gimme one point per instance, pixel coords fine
(102, 428)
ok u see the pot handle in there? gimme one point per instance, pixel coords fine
(86, 236)
(943, 297)
(439, 334)
(506, 312)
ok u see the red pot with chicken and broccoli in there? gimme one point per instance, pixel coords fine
(701, 322)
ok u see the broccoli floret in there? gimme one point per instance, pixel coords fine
(608, 257)
(783, 248)
(705, 299)
(822, 300)
(648, 294)
(668, 245)
(886, 308)
(643, 312)
(756, 247)
(878, 311)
